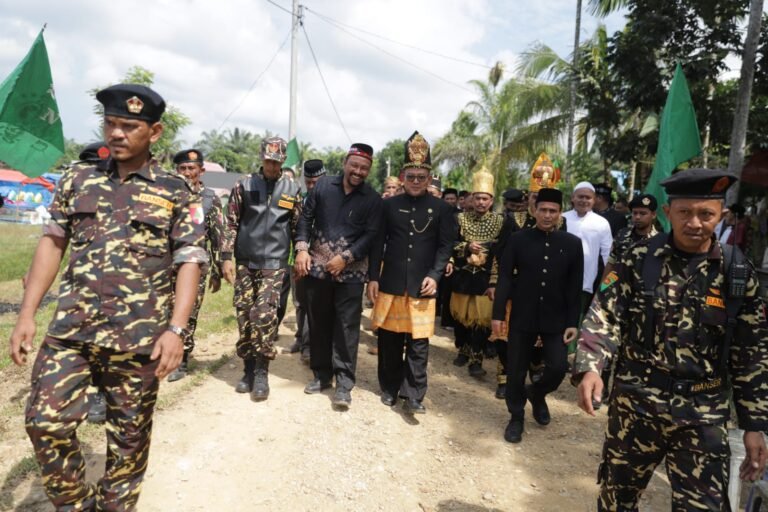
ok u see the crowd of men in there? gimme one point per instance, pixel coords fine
(676, 316)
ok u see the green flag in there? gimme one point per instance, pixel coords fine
(679, 139)
(31, 138)
(291, 154)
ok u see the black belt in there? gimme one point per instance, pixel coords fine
(662, 380)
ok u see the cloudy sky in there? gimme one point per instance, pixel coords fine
(206, 55)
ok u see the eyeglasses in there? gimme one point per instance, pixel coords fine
(415, 178)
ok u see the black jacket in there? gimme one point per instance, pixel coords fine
(415, 241)
(546, 292)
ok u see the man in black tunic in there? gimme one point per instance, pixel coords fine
(414, 244)
(545, 294)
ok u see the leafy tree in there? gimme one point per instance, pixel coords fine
(174, 120)
(72, 150)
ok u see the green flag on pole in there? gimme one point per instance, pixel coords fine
(291, 154)
(31, 137)
(679, 139)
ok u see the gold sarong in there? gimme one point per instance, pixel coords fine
(471, 310)
(404, 314)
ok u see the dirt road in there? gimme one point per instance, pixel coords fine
(215, 450)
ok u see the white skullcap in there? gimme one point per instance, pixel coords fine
(584, 184)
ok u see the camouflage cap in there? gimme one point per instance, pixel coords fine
(273, 148)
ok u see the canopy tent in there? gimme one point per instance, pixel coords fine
(22, 192)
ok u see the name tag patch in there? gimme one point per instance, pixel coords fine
(715, 301)
(156, 200)
(282, 203)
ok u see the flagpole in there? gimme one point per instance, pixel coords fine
(295, 23)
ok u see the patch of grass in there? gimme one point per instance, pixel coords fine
(18, 242)
(18, 472)
(8, 321)
(218, 313)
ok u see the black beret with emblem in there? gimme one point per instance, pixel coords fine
(313, 168)
(417, 153)
(194, 156)
(549, 195)
(94, 152)
(699, 183)
(132, 101)
(644, 201)
(514, 195)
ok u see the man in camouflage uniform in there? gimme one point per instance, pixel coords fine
(128, 225)
(683, 331)
(190, 164)
(262, 214)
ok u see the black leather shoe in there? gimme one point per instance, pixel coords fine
(296, 347)
(260, 390)
(514, 431)
(539, 406)
(245, 385)
(316, 386)
(501, 391)
(476, 370)
(388, 399)
(412, 406)
(97, 412)
(460, 360)
(342, 398)
(489, 350)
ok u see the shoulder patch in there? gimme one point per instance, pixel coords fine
(611, 279)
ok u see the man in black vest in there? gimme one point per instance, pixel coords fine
(541, 272)
(190, 164)
(414, 244)
(340, 221)
(262, 214)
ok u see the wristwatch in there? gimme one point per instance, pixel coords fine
(178, 331)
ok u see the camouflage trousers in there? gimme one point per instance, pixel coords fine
(57, 405)
(697, 459)
(256, 299)
(189, 337)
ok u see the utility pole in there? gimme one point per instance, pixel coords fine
(572, 100)
(298, 11)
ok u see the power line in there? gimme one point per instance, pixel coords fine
(281, 7)
(394, 56)
(325, 85)
(385, 38)
(250, 89)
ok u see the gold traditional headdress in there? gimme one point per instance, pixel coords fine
(544, 174)
(417, 153)
(482, 181)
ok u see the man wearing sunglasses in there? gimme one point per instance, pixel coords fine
(407, 260)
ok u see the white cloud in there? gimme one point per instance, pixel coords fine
(205, 55)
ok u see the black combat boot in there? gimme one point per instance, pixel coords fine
(180, 372)
(260, 389)
(246, 383)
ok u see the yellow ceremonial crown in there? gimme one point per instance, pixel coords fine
(482, 181)
(544, 174)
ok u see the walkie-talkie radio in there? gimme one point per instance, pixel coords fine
(737, 279)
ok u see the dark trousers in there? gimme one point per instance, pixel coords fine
(285, 293)
(519, 350)
(444, 291)
(302, 319)
(470, 341)
(406, 377)
(334, 314)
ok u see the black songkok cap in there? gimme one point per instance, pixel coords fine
(188, 155)
(644, 201)
(360, 149)
(132, 101)
(94, 152)
(603, 190)
(514, 195)
(699, 183)
(550, 195)
(313, 168)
